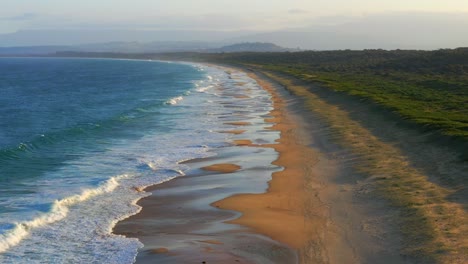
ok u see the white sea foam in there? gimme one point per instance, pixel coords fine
(86, 235)
(152, 166)
(59, 211)
(175, 100)
(204, 88)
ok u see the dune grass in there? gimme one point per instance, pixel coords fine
(433, 102)
(434, 228)
(427, 88)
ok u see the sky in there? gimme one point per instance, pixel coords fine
(226, 15)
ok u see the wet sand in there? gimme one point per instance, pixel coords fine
(220, 213)
(222, 168)
(178, 223)
(312, 205)
(239, 123)
(236, 132)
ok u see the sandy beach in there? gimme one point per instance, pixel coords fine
(180, 222)
(306, 214)
(313, 194)
(309, 205)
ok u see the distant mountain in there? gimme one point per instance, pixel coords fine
(81, 37)
(122, 47)
(138, 47)
(153, 47)
(251, 47)
(380, 31)
(313, 40)
(33, 50)
(358, 40)
(385, 31)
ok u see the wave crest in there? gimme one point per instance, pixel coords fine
(175, 100)
(58, 212)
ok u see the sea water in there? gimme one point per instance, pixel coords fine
(79, 139)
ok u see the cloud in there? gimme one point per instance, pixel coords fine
(21, 17)
(205, 21)
(297, 11)
(220, 22)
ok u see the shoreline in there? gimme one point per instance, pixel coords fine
(303, 210)
(177, 222)
(315, 194)
(282, 203)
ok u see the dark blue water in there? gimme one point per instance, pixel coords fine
(79, 137)
(73, 129)
(59, 96)
(64, 103)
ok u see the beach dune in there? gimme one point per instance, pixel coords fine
(303, 200)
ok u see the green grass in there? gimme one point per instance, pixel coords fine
(427, 88)
(433, 227)
(437, 104)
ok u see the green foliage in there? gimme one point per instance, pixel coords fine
(429, 88)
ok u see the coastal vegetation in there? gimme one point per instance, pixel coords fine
(429, 219)
(425, 91)
(429, 88)
(428, 92)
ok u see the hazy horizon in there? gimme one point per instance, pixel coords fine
(420, 24)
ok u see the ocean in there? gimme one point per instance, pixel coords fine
(79, 139)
